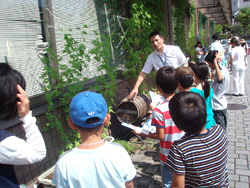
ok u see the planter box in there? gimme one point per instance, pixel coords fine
(47, 183)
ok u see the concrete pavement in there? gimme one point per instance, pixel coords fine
(238, 131)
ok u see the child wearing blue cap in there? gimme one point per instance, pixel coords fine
(95, 162)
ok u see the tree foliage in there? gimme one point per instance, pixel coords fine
(241, 28)
(244, 18)
(218, 28)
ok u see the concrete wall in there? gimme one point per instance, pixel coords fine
(244, 3)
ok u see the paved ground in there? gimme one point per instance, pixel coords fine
(147, 160)
(239, 136)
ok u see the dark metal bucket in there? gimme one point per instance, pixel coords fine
(133, 110)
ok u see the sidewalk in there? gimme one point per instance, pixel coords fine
(238, 132)
(147, 161)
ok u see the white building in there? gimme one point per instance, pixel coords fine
(237, 5)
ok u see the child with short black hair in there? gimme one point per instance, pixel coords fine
(220, 84)
(185, 78)
(14, 150)
(166, 131)
(95, 162)
(199, 158)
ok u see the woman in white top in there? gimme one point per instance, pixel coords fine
(238, 67)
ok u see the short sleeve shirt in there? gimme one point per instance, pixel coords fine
(105, 166)
(216, 45)
(238, 53)
(161, 119)
(220, 88)
(171, 56)
(198, 49)
(202, 158)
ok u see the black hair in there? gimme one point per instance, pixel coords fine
(9, 79)
(235, 41)
(167, 79)
(198, 43)
(201, 71)
(191, 64)
(188, 111)
(215, 36)
(92, 129)
(185, 77)
(211, 56)
(154, 33)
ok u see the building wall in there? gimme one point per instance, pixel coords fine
(235, 6)
(239, 4)
(244, 3)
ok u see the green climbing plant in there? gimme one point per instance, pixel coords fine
(201, 29)
(106, 83)
(191, 41)
(62, 81)
(179, 23)
(146, 16)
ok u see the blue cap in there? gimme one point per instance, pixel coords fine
(88, 105)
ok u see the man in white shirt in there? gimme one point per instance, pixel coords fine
(164, 55)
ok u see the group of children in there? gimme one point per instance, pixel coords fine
(199, 113)
(193, 141)
(191, 127)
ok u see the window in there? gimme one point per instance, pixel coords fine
(20, 34)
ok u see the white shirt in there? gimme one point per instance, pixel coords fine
(219, 89)
(171, 56)
(198, 49)
(238, 54)
(106, 166)
(216, 45)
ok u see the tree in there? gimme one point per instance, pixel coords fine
(244, 18)
(218, 28)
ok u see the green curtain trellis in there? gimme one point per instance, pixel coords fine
(201, 26)
(212, 29)
(106, 11)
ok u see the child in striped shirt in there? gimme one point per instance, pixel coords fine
(166, 130)
(199, 158)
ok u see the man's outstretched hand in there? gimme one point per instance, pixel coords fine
(133, 93)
